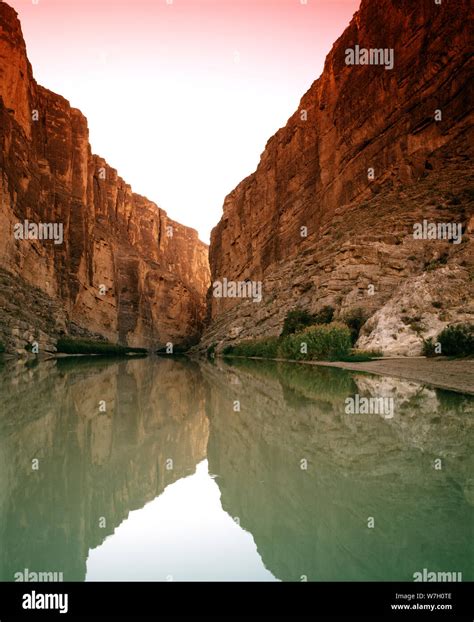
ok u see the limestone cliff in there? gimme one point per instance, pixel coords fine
(328, 217)
(124, 270)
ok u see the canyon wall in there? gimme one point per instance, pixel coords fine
(124, 270)
(328, 217)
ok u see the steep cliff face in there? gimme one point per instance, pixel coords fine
(123, 270)
(328, 217)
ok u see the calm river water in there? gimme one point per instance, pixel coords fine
(171, 469)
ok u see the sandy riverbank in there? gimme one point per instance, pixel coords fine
(455, 375)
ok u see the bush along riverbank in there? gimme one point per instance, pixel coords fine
(70, 345)
(320, 342)
(454, 340)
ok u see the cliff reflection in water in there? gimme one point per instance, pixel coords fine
(91, 464)
(305, 522)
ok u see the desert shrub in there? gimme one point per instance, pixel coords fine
(361, 356)
(70, 345)
(265, 348)
(417, 327)
(457, 340)
(296, 321)
(324, 315)
(355, 319)
(211, 351)
(429, 347)
(433, 264)
(323, 342)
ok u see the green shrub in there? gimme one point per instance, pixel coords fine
(266, 347)
(355, 319)
(429, 347)
(296, 321)
(2, 348)
(324, 315)
(457, 340)
(323, 342)
(361, 356)
(72, 345)
(211, 351)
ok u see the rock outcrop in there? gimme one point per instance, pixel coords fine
(123, 270)
(328, 217)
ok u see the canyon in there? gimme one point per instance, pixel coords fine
(124, 272)
(327, 219)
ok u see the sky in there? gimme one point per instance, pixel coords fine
(181, 96)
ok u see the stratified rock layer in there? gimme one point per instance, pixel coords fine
(124, 271)
(410, 128)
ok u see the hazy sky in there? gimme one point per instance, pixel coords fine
(182, 97)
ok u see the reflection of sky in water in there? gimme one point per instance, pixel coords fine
(184, 533)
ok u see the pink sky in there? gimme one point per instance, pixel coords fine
(182, 98)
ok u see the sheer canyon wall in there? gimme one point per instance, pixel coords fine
(332, 214)
(123, 270)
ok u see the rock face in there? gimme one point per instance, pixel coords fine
(124, 270)
(328, 217)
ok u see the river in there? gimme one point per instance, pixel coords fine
(171, 469)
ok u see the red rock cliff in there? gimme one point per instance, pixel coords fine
(124, 271)
(365, 156)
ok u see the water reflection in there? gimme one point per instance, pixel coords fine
(298, 478)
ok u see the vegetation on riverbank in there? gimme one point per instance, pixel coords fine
(72, 345)
(309, 337)
(454, 340)
(320, 342)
